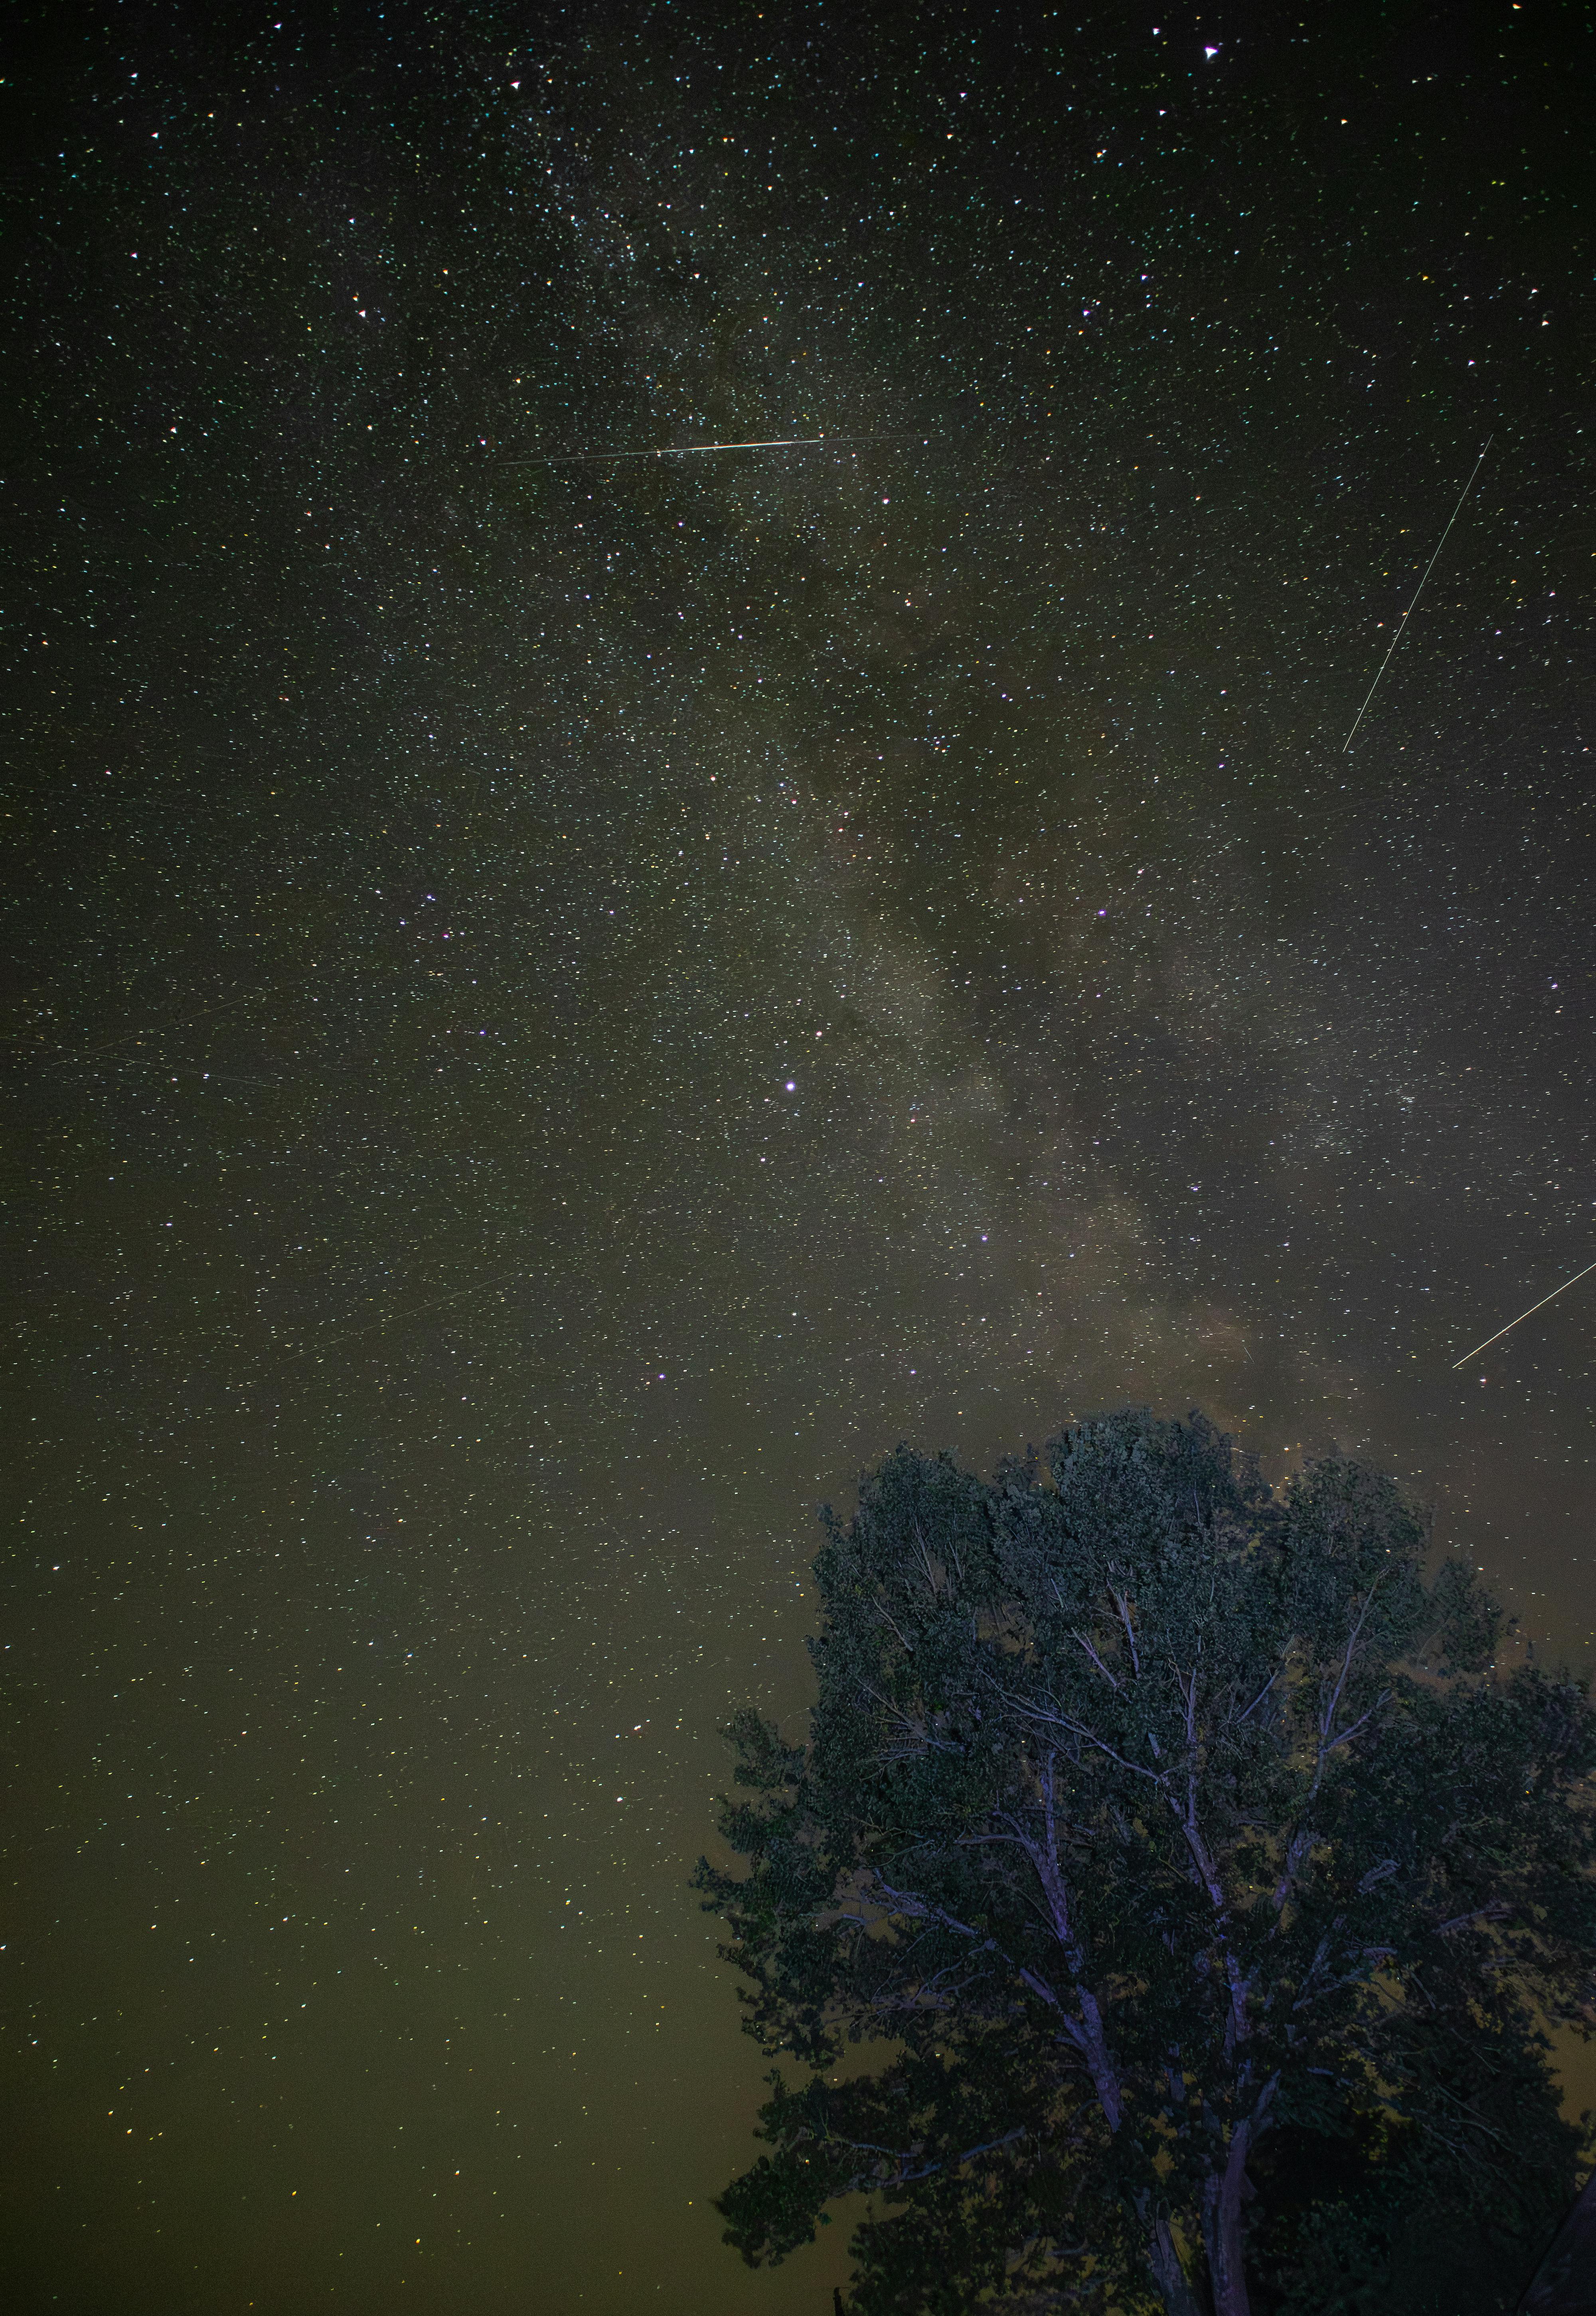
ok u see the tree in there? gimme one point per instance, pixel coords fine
(1170, 1900)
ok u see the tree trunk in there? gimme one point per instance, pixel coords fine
(1169, 2274)
(1221, 2227)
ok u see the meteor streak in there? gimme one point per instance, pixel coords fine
(704, 449)
(1418, 591)
(1529, 1313)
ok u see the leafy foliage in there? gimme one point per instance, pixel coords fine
(1202, 1889)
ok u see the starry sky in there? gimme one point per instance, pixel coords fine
(561, 1001)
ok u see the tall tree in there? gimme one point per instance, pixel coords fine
(1171, 1897)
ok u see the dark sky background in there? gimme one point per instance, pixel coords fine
(556, 1010)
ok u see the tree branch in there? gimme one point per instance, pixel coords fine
(925, 1551)
(1056, 1720)
(1096, 1659)
(1328, 1717)
(1493, 1911)
(902, 2156)
(907, 1646)
(1296, 1850)
(1258, 1700)
(1342, 1735)
(1120, 1603)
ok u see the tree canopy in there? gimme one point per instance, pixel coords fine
(1170, 1901)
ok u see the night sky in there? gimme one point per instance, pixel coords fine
(555, 1010)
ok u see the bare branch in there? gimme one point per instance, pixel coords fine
(1343, 1735)
(1493, 1911)
(907, 1645)
(1328, 1717)
(903, 2156)
(1096, 1659)
(1056, 1720)
(1039, 1985)
(1120, 1603)
(1300, 1843)
(1258, 1700)
(916, 1739)
(1359, 1977)
(918, 1909)
(925, 1551)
